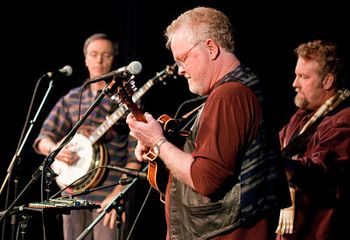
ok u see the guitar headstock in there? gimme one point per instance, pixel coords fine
(121, 89)
(124, 93)
(170, 70)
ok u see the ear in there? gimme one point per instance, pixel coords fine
(328, 81)
(213, 48)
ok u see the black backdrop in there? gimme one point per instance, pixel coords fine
(41, 37)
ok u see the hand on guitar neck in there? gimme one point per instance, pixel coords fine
(162, 130)
(163, 127)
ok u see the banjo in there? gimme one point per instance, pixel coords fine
(92, 154)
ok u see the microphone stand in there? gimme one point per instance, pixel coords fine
(20, 148)
(107, 209)
(50, 158)
(15, 159)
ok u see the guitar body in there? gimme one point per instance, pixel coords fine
(91, 156)
(157, 176)
(157, 173)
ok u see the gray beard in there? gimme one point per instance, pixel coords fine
(300, 101)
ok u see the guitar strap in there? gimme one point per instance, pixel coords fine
(300, 140)
(189, 117)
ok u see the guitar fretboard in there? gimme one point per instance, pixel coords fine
(122, 109)
(118, 113)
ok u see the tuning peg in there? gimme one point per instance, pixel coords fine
(116, 98)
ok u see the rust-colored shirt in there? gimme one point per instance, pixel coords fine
(216, 147)
(321, 174)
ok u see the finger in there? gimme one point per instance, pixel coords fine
(102, 206)
(144, 148)
(290, 227)
(139, 156)
(286, 226)
(286, 221)
(278, 230)
(132, 134)
(106, 220)
(112, 220)
(139, 152)
(149, 117)
(283, 228)
(130, 116)
(124, 217)
(289, 222)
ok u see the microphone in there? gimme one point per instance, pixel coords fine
(129, 172)
(65, 71)
(133, 68)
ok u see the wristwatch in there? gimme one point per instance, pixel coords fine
(156, 147)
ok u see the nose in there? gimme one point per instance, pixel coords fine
(99, 58)
(180, 70)
(296, 82)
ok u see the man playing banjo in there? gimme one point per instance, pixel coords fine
(115, 147)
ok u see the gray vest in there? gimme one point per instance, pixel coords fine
(191, 211)
(261, 186)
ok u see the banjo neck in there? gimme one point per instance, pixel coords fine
(122, 109)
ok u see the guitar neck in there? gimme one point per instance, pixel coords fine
(123, 108)
(120, 111)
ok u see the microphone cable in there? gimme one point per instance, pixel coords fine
(139, 213)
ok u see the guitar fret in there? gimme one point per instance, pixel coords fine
(142, 91)
(110, 120)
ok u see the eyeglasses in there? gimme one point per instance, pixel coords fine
(181, 62)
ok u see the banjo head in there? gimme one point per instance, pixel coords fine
(92, 157)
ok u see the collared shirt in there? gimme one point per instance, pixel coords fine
(320, 173)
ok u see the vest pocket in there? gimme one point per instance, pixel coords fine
(205, 210)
